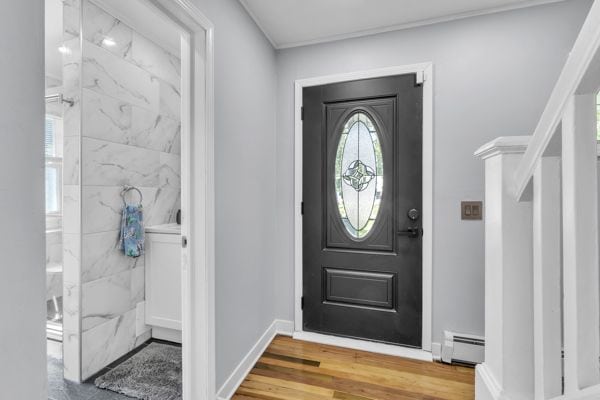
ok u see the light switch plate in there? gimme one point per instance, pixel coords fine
(471, 210)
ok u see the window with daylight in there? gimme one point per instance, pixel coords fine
(359, 175)
(53, 140)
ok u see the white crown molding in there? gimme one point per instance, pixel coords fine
(258, 23)
(391, 28)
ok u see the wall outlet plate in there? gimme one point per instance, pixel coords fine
(471, 210)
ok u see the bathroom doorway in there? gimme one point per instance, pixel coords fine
(129, 260)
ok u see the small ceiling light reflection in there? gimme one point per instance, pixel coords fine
(109, 42)
(64, 49)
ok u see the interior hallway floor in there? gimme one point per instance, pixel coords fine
(60, 389)
(293, 370)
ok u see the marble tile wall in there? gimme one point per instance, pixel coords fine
(128, 133)
(54, 256)
(71, 198)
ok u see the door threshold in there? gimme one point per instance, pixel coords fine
(365, 345)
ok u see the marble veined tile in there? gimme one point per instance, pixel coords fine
(71, 62)
(117, 121)
(170, 99)
(154, 131)
(140, 320)
(106, 117)
(144, 337)
(170, 171)
(102, 206)
(105, 299)
(72, 115)
(113, 164)
(71, 309)
(166, 203)
(102, 256)
(156, 60)
(71, 160)
(106, 31)
(71, 356)
(72, 258)
(106, 73)
(71, 18)
(71, 209)
(176, 149)
(107, 342)
(138, 283)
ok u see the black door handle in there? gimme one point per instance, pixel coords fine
(410, 232)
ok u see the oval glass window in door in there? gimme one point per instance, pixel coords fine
(359, 175)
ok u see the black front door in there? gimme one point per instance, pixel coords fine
(362, 153)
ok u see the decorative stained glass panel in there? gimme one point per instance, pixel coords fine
(359, 175)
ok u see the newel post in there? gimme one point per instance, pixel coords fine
(508, 367)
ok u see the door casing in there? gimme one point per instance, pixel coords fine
(424, 73)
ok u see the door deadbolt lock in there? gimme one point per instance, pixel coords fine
(413, 214)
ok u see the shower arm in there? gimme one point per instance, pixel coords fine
(59, 97)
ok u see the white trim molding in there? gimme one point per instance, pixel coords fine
(277, 327)
(365, 345)
(392, 28)
(486, 386)
(424, 71)
(197, 197)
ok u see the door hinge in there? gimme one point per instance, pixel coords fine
(421, 77)
(184, 241)
(302, 208)
(302, 113)
(302, 303)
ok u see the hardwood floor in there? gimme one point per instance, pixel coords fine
(292, 369)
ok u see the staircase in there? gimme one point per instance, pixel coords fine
(542, 301)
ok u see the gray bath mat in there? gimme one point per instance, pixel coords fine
(152, 374)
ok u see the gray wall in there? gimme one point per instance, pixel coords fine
(493, 75)
(245, 93)
(22, 283)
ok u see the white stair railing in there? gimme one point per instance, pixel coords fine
(542, 254)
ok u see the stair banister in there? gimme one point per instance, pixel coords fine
(581, 324)
(508, 366)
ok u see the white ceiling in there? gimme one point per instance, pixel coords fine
(289, 23)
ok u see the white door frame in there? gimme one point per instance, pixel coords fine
(197, 196)
(424, 73)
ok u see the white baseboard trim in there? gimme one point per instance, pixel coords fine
(486, 386)
(436, 352)
(278, 327)
(170, 335)
(365, 345)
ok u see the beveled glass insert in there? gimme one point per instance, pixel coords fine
(358, 175)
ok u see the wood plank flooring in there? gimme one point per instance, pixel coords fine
(292, 369)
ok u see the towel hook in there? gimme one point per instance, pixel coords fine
(127, 189)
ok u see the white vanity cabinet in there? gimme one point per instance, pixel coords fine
(163, 281)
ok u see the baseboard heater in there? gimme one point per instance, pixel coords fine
(463, 349)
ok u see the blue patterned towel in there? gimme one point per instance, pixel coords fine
(132, 231)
